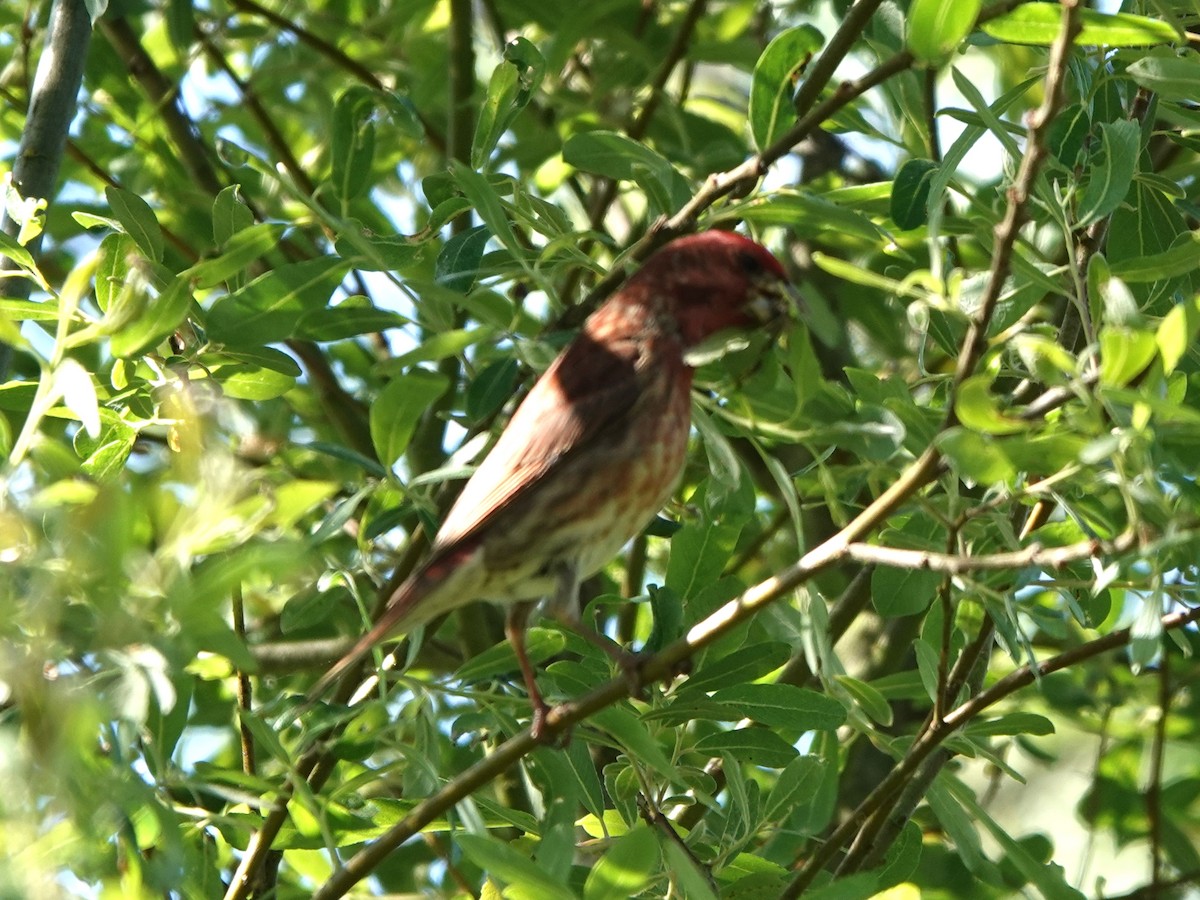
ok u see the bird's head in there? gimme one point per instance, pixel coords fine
(713, 282)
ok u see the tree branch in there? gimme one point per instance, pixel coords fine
(52, 104)
(1034, 555)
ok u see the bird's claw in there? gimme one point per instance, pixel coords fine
(538, 728)
(630, 665)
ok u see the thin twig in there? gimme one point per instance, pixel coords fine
(1154, 809)
(52, 106)
(871, 814)
(932, 739)
(245, 697)
(1035, 555)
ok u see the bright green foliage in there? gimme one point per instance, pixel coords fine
(307, 254)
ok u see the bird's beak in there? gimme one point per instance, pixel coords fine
(774, 300)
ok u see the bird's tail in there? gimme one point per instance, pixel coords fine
(398, 605)
(414, 602)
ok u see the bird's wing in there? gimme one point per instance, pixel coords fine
(587, 394)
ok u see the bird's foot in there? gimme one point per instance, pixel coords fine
(538, 727)
(629, 664)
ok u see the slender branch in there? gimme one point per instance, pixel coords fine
(270, 131)
(426, 449)
(52, 105)
(193, 153)
(1034, 555)
(338, 58)
(245, 697)
(1016, 212)
(873, 810)
(932, 739)
(1158, 747)
(656, 668)
(641, 120)
(344, 410)
(820, 73)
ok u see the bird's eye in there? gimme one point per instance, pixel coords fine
(749, 263)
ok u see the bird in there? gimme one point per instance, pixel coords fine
(593, 451)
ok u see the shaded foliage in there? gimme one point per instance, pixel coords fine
(303, 260)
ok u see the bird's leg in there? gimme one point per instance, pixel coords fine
(514, 630)
(565, 608)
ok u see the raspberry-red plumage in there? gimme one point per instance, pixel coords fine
(597, 446)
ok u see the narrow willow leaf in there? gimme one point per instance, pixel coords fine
(137, 220)
(1039, 24)
(937, 27)
(776, 75)
(1113, 174)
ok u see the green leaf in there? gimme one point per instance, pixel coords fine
(937, 27)
(494, 112)
(246, 246)
(868, 699)
(753, 745)
(1011, 723)
(700, 550)
(457, 266)
(975, 457)
(747, 664)
(903, 856)
(723, 463)
(1177, 331)
(491, 388)
(1112, 175)
(1047, 879)
(270, 307)
(243, 382)
(806, 214)
(977, 408)
(1124, 354)
(958, 825)
(784, 706)
(1171, 77)
(485, 199)
(616, 156)
(180, 24)
(902, 592)
(398, 408)
(74, 384)
(910, 193)
(632, 734)
(229, 214)
(352, 141)
(796, 785)
(856, 274)
(776, 75)
(1039, 24)
(437, 346)
(1067, 133)
(17, 253)
(1182, 257)
(137, 220)
(693, 883)
(113, 268)
(501, 860)
(541, 644)
(626, 867)
(512, 84)
(162, 315)
(345, 320)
